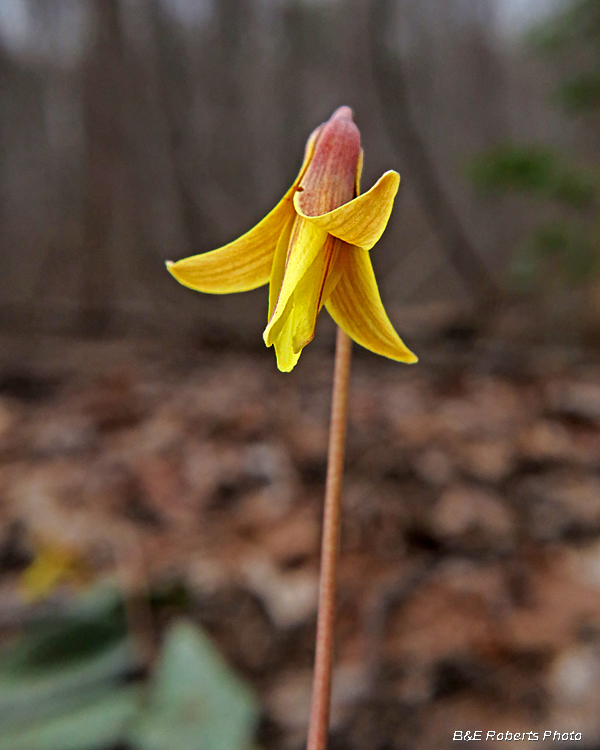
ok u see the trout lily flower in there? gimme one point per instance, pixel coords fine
(313, 250)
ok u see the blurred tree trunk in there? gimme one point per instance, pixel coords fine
(172, 76)
(395, 102)
(23, 185)
(489, 96)
(295, 35)
(103, 85)
(232, 20)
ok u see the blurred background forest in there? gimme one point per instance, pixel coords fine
(161, 482)
(137, 132)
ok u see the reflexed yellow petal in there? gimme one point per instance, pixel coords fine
(245, 263)
(356, 307)
(241, 265)
(360, 222)
(305, 243)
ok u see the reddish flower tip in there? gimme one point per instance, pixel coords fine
(343, 113)
(330, 178)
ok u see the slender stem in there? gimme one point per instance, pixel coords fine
(321, 697)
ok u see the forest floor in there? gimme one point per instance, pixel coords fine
(469, 584)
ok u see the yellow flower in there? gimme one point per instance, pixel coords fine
(313, 249)
(54, 564)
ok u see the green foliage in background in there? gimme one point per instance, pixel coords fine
(69, 683)
(534, 170)
(577, 24)
(560, 246)
(565, 248)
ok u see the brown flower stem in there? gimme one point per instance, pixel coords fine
(321, 697)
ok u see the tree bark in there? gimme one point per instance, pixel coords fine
(394, 97)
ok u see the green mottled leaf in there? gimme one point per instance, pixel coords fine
(196, 702)
(54, 690)
(88, 626)
(95, 726)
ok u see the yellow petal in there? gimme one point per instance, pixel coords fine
(360, 222)
(356, 307)
(284, 350)
(278, 266)
(241, 265)
(309, 294)
(245, 263)
(296, 326)
(359, 169)
(306, 242)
